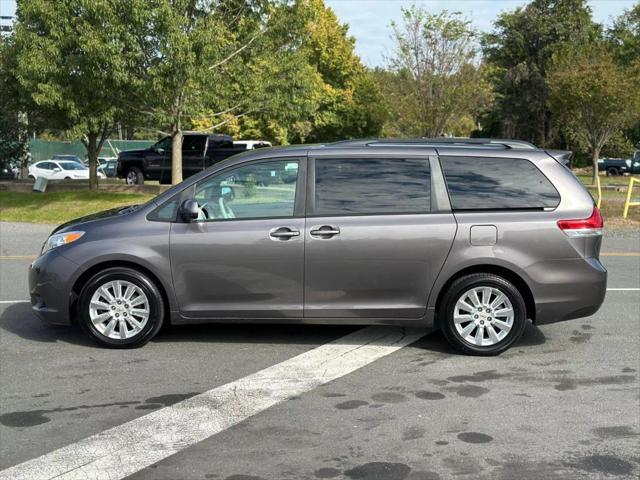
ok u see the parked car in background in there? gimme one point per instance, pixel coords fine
(464, 235)
(108, 166)
(60, 170)
(253, 144)
(7, 171)
(619, 166)
(199, 151)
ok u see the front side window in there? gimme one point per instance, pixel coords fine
(477, 183)
(372, 186)
(45, 166)
(164, 144)
(257, 190)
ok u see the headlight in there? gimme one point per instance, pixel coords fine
(61, 239)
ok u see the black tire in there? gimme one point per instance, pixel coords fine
(466, 283)
(31, 177)
(613, 172)
(156, 307)
(67, 178)
(134, 176)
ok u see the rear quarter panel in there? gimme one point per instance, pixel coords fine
(529, 243)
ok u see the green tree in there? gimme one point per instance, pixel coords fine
(437, 81)
(213, 63)
(348, 100)
(74, 65)
(624, 39)
(593, 95)
(13, 144)
(319, 91)
(520, 49)
(624, 35)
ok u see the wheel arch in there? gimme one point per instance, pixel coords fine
(91, 271)
(500, 271)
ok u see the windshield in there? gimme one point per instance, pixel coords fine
(72, 166)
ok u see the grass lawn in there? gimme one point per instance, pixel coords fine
(59, 207)
(604, 180)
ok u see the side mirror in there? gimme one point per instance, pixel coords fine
(189, 210)
(57, 169)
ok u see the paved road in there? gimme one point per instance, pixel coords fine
(564, 403)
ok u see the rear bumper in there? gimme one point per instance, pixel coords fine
(51, 278)
(567, 289)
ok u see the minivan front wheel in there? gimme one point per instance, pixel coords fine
(121, 308)
(482, 314)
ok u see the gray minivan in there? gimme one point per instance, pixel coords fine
(474, 237)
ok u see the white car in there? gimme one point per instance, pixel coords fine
(60, 170)
(253, 144)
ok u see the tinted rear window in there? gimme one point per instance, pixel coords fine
(477, 183)
(372, 186)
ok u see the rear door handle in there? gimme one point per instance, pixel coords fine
(284, 233)
(324, 231)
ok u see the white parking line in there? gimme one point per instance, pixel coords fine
(123, 450)
(14, 301)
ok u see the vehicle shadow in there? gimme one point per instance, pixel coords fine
(19, 320)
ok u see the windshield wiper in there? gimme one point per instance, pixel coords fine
(129, 209)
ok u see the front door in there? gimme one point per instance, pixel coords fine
(158, 161)
(373, 245)
(244, 256)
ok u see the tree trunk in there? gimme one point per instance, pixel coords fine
(92, 153)
(176, 155)
(595, 154)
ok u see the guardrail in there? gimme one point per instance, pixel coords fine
(628, 203)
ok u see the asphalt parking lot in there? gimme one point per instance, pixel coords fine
(237, 402)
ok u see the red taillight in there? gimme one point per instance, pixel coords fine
(585, 227)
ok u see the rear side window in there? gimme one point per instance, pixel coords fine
(193, 143)
(372, 186)
(477, 183)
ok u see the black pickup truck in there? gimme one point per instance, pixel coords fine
(199, 151)
(619, 166)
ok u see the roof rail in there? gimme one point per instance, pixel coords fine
(441, 141)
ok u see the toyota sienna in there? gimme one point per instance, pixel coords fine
(475, 237)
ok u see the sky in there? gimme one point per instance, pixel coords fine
(369, 20)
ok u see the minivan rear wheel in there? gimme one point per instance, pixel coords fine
(120, 308)
(482, 314)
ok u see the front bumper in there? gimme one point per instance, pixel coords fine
(51, 279)
(568, 289)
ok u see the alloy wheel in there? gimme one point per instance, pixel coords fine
(119, 309)
(483, 316)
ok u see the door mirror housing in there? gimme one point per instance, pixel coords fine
(57, 169)
(189, 210)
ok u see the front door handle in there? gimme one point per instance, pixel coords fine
(324, 231)
(284, 233)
